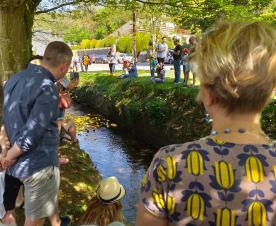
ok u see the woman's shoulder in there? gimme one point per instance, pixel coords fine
(176, 149)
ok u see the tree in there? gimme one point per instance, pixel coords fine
(16, 22)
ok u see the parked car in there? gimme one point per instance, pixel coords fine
(169, 58)
(124, 56)
(101, 59)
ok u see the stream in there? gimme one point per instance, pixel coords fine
(116, 154)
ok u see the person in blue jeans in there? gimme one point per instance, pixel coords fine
(176, 52)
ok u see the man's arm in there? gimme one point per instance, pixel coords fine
(144, 217)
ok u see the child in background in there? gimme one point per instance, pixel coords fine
(186, 65)
(160, 78)
(125, 66)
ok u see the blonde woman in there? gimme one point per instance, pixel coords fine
(229, 177)
(106, 208)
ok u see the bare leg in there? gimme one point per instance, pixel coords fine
(72, 133)
(55, 219)
(194, 79)
(34, 222)
(186, 77)
(9, 217)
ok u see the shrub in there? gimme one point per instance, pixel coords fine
(93, 43)
(85, 44)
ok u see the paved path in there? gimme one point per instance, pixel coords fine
(104, 67)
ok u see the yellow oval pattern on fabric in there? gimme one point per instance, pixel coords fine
(161, 172)
(195, 163)
(158, 199)
(160, 202)
(195, 207)
(144, 181)
(170, 205)
(256, 214)
(274, 169)
(224, 174)
(254, 169)
(225, 217)
(171, 163)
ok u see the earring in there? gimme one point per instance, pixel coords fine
(207, 119)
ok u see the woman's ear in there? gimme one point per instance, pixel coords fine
(206, 96)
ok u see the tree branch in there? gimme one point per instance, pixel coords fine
(166, 3)
(57, 7)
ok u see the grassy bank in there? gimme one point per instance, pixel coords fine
(158, 114)
(79, 179)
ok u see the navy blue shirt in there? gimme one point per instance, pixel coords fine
(30, 114)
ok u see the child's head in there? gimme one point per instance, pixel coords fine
(106, 206)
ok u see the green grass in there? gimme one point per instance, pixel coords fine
(167, 107)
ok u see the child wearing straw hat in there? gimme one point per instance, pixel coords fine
(105, 209)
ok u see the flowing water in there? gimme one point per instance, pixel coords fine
(117, 155)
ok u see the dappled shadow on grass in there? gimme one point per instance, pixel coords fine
(79, 179)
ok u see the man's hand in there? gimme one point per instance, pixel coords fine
(65, 100)
(6, 162)
(4, 141)
(12, 154)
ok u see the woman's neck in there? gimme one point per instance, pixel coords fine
(248, 123)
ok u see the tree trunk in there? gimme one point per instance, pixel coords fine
(16, 21)
(134, 31)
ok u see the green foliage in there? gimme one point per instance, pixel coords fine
(76, 34)
(109, 41)
(124, 44)
(203, 14)
(99, 44)
(142, 41)
(100, 32)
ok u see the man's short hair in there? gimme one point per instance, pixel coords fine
(163, 37)
(57, 53)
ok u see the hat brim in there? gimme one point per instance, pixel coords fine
(122, 194)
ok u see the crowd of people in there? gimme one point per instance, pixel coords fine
(182, 54)
(227, 178)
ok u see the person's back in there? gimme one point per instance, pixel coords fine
(224, 182)
(229, 177)
(132, 72)
(30, 115)
(21, 93)
(86, 60)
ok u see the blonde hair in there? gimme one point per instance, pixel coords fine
(102, 214)
(237, 62)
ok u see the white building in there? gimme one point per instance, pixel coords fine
(41, 39)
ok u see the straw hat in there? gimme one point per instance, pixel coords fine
(110, 190)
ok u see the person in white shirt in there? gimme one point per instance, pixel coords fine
(162, 50)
